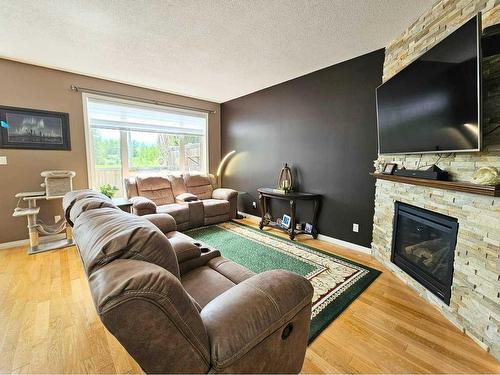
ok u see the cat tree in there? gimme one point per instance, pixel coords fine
(56, 184)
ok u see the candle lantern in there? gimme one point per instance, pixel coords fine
(285, 179)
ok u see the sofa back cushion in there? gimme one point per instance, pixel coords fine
(178, 186)
(106, 234)
(158, 189)
(91, 199)
(131, 187)
(90, 203)
(199, 185)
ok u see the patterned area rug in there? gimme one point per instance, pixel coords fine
(337, 281)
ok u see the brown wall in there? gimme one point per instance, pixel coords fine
(30, 86)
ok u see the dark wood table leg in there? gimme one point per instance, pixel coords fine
(317, 204)
(291, 231)
(262, 201)
(267, 208)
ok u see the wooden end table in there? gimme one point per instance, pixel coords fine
(123, 204)
(266, 194)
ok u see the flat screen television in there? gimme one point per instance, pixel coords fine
(434, 104)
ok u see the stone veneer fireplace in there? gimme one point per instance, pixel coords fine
(474, 303)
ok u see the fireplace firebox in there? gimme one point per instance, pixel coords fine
(423, 245)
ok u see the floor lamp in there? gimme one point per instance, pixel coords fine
(220, 171)
(222, 165)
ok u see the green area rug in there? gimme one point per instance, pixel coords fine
(337, 281)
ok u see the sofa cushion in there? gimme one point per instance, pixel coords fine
(180, 212)
(215, 207)
(204, 284)
(156, 188)
(233, 271)
(107, 234)
(199, 185)
(207, 282)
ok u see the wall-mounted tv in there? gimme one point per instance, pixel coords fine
(434, 104)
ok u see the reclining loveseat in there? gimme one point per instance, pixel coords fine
(192, 200)
(177, 306)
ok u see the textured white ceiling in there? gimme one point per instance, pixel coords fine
(211, 49)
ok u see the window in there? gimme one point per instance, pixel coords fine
(126, 138)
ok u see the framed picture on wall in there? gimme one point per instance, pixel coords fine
(34, 129)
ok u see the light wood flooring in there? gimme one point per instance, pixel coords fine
(48, 325)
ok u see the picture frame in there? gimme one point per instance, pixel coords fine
(308, 228)
(34, 129)
(285, 221)
(389, 168)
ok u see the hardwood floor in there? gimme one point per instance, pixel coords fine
(48, 325)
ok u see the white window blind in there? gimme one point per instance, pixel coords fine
(107, 114)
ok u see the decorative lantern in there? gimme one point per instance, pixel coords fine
(285, 180)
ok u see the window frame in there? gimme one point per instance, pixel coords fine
(125, 171)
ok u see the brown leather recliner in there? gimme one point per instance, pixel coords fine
(189, 312)
(191, 200)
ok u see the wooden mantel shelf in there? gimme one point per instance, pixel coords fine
(466, 187)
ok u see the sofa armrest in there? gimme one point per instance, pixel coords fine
(186, 197)
(143, 206)
(225, 194)
(231, 196)
(146, 308)
(243, 319)
(164, 222)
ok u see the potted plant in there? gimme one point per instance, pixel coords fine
(108, 190)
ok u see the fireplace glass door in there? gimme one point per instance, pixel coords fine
(424, 247)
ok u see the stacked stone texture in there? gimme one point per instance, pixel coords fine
(475, 299)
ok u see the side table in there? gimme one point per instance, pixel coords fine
(123, 204)
(266, 194)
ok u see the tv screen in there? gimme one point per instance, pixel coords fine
(433, 105)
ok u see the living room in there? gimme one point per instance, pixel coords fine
(250, 186)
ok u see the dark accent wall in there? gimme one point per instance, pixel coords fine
(323, 124)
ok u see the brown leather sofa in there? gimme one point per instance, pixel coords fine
(192, 200)
(177, 309)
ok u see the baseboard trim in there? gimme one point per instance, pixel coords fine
(18, 243)
(332, 240)
(346, 244)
